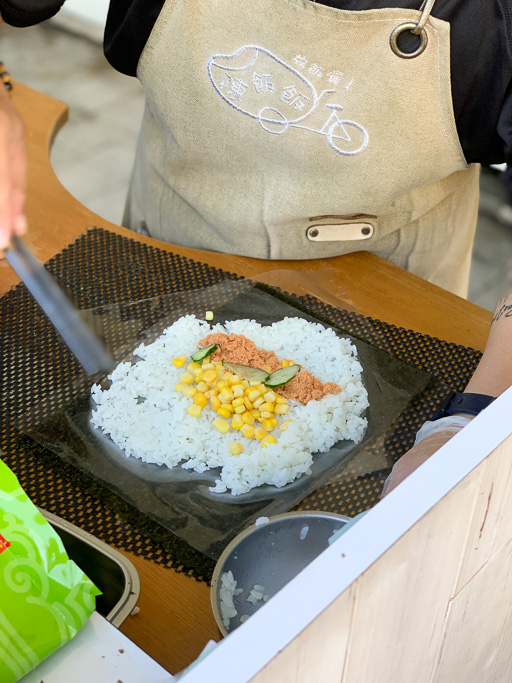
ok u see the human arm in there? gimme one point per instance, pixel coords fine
(492, 377)
(12, 170)
(23, 13)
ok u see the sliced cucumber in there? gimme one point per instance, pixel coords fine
(247, 372)
(203, 353)
(282, 376)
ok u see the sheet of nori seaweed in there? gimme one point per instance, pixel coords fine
(179, 500)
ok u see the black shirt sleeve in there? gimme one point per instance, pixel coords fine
(127, 31)
(23, 13)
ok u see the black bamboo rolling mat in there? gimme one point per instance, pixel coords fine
(39, 377)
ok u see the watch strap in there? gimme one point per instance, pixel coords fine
(472, 404)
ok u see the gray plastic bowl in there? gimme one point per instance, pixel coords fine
(270, 555)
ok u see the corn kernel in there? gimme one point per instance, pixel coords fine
(274, 421)
(207, 366)
(245, 383)
(281, 399)
(253, 395)
(284, 425)
(266, 407)
(179, 361)
(226, 393)
(234, 380)
(221, 384)
(219, 368)
(194, 368)
(223, 412)
(284, 363)
(247, 403)
(238, 391)
(240, 409)
(254, 382)
(270, 396)
(180, 386)
(186, 378)
(210, 393)
(189, 391)
(209, 377)
(208, 315)
(267, 425)
(238, 402)
(227, 376)
(260, 433)
(247, 418)
(237, 422)
(258, 402)
(268, 439)
(235, 448)
(215, 403)
(221, 425)
(202, 387)
(200, 399)
(255, 413)
(281, 409)
(265, 414)
(194, 410)
(229, 407)
(247, 431)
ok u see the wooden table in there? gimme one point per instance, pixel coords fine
(175, 620)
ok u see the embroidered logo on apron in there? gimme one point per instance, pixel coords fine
(260, 85)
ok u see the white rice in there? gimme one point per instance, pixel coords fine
(261, 520)
(304, 532)
(256, 594)
(159, 430)
(227, 592)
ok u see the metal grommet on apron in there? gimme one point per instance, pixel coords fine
(415, 28)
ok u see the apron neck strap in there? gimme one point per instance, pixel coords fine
(425, 9)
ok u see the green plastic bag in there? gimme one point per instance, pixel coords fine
(44, 597)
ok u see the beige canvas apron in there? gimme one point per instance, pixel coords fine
(288, 129)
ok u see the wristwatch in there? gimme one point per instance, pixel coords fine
(471, 404)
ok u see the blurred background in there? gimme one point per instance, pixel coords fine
(93, 153)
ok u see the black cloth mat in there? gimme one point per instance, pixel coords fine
(37, 370)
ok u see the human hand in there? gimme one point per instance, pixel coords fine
(429, 439)
(12, 171)
(414, 457)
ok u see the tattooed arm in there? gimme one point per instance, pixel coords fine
(492, 376)
(494, 372)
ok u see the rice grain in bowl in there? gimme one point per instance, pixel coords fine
(149, 419)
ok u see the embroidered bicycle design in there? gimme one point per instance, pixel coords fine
(258, 84)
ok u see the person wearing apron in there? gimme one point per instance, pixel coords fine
(298, 129)
(301, 137)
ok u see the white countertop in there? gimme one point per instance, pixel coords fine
(100, 653)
